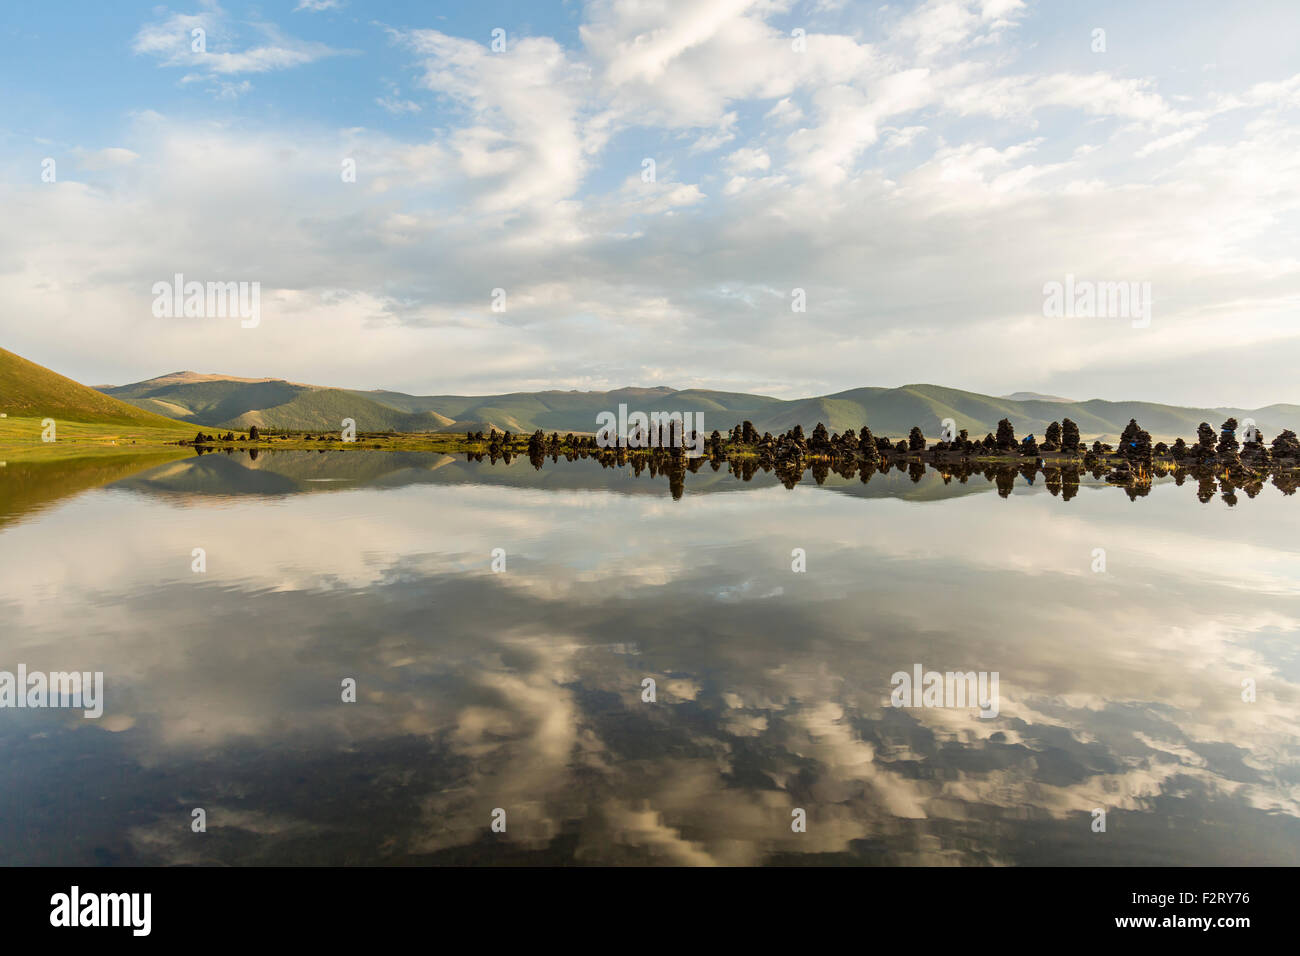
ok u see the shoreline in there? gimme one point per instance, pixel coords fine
(20, 443)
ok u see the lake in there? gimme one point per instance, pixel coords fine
(500, 624)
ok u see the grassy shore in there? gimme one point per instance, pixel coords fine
(20, 439)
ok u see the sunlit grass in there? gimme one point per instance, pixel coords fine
(20, 439)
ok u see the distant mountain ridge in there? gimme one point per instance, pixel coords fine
(1036, 397)
(215, 401)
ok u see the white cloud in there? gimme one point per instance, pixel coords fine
(718, 137)
(1173, 139)
(397, 106)
(1095, 94)
(784, 112)
(748, 159)
(205, 42)
(107, 158)
(682, 63)
(919, 187)
(938, 26)
(523, 137)
(903, 138)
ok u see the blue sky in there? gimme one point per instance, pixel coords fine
(921, 170)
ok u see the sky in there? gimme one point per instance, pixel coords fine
(913, 174)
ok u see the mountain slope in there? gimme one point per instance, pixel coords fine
(28, 390)
(1035, 396)
(210, 402)
(323, 409)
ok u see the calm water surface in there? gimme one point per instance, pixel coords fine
(522, 690)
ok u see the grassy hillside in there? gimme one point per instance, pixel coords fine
(192, 399)
(28, 390)
(323, 409)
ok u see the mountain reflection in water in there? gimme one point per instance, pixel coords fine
(1119, 689)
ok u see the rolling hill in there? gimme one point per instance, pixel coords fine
(28, 390)
(239, 403)
(322, 409)
(1036, 396)
(226, 402)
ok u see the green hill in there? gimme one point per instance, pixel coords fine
(323, 409)
(197, 399)
(28, 390)
(238, 403)
(213, 401)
